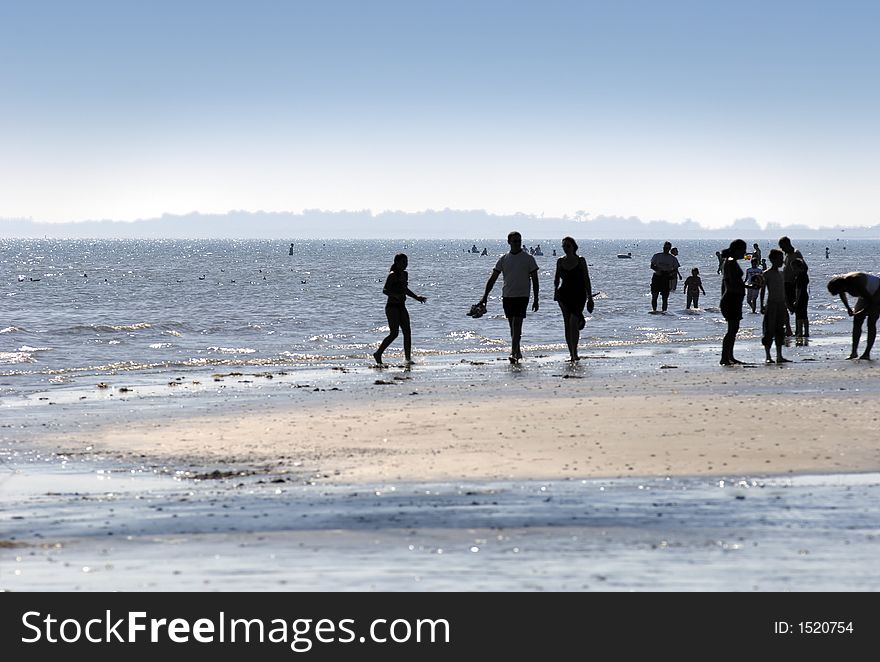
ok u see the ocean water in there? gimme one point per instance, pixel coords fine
(90, 308)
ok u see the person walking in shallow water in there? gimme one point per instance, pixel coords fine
(397, 290)
(518, 268)
(867, 288)
(665, 266)
(733, 292)
(572, 290)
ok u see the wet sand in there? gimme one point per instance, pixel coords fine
(798, 418)
(544, 477)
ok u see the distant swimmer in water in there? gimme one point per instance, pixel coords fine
(397, 290)
(290, 251)
(485, 252)
(867, 288)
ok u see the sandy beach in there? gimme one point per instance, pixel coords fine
(799, 418)
(544, 477)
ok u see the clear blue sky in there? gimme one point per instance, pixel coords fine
(705, 110)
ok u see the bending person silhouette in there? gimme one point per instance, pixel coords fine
(867, 288)
(397, 290)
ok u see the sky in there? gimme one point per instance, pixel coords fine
(663, 110)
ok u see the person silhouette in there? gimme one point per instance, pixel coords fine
(665, 267)
(788, 277)
(572, 290)
(867, 288)
(775, 312)
(733, 292)
(518, 268)
(290, 251)
(693, 285)
(397, 290)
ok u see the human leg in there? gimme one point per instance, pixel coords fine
(392, 312)
(858, 321)
(872, 334)
(407, 333)
(728, 342)
(516, 335)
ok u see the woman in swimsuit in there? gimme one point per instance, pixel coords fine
(397, 289)
(572, 290)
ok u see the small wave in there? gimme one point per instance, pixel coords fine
(27, 348)
(16, 357)
(11, 329)
(327, 337)
(160, 345)
(113, 328)
(232, 350)
(171, 332)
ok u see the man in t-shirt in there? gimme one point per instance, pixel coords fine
(518, 268)
(665, 266)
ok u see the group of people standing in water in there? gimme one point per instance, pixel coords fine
(784, 283)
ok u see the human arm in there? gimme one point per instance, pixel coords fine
(556, 278)
(534, 276)
(588, 286)
(415, 296)
(489, 285)
(846, 303)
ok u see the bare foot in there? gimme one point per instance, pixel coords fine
(865, 357)
(780, 359)
(378, 357)
(852, 356)
(769, 360)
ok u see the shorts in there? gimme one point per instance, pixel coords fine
(515, 306)
(660, 284)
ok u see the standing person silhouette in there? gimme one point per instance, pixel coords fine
(665, 266)
(397, 289)
(572, 290)
(788, 277)
(518, 268)
(775, 312)
(733, 291)
(867, 288)
(673, 282)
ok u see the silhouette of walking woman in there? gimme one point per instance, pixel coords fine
(573, 293)
(397, 289)
(732, 293)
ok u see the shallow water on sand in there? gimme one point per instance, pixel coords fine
(73, 526)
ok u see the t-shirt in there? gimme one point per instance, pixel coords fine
(665, 262)
(751, 272)
(516, 267)
(775, 288)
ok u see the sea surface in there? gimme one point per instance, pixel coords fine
(88, 309)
